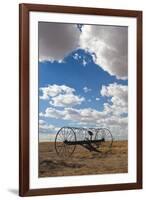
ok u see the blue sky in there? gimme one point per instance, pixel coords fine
(77, 88)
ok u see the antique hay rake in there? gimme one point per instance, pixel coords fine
(93, 139)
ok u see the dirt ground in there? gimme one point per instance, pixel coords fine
(82, 162)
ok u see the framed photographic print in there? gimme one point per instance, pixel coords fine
(80, 99)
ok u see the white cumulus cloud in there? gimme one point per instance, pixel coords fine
(77, 115)
(47, 128)
(119, 98)
(115, 107)
(54, 90)
(52, 112)
(66, 100)
(109, 47)
(60, 95)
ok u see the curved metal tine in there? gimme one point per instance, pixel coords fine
(78, 134)
(64, 133)
(85, 133)
(98, 134)
(61, 136)
(69, 134)
(110, 135)
(103, 132)
(68, 148)
(73, 135)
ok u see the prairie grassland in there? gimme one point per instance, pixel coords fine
(82, 162)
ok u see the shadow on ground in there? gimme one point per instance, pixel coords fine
(59, 164)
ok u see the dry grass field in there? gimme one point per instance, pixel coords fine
(83, 162)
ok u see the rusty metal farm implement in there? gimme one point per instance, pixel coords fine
(93, 139)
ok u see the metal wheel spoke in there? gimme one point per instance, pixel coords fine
(65, 134)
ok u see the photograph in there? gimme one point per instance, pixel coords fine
(80, 84)
(83, 99)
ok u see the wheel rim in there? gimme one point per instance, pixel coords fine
(105, 135)
(62, 148)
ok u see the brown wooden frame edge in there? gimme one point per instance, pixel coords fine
(24, 9)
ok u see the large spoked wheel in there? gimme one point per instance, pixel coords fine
(64, 142)
(105, 139)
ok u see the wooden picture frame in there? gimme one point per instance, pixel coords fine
(24, 106)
